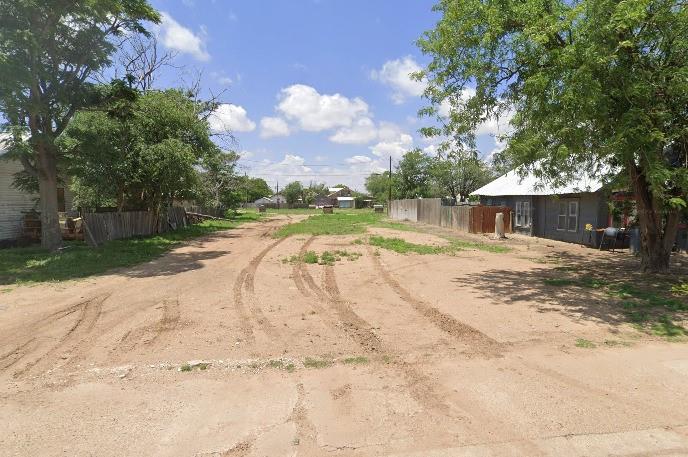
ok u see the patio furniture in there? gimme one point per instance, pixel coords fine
(612, 235)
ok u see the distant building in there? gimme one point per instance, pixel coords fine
(346, 202)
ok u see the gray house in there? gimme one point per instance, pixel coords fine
(557, 213)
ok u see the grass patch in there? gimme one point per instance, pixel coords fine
(185, 367)
(78, 260)
(680, 289)
(404, 247)
(326, 258)
(310, 257)
(665, 328)
(651, 309)
(338, 223)
(558, 282)
(311, 362)
(358, 360)
(583, 343)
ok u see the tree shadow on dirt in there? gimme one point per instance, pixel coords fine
(173, 263)
(580, 286)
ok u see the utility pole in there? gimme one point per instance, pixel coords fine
(277, 195)
(389, 200)
(246, 185)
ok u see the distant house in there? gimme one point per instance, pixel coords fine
(15, 203)
(323, 200)
(548, 212)
(273, 200)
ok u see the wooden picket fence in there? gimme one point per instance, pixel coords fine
(102, 227)
(464, 218)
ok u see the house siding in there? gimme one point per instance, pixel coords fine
(592, 209)
(14, 203)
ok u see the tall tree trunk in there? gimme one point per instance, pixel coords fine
(46, 164)
(657, 230)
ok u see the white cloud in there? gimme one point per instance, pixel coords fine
(361, 132)
(230, 118)
(179, 38)
(498, 126)
(358, 159)
(396, 74)
(315, 112)
(273, 126)
(395, 147)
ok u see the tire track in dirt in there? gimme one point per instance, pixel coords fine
(479, 342)
(39, 324)
(244, 296)
(306, 432)
(360, 331)
(148, 334)
(420, 386)
(88, 317)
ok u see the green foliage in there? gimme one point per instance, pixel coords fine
(78, 260)
(49, 54)
(592, 85)
(293, 192)
(680, 289)
(310, 257)
(157, 151)
(413, 175)
(458, 174)
(377, 185)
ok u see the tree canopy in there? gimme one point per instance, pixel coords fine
(49, 53)
(153, 151)
(598, 85)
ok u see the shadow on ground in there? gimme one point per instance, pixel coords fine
(606, 287)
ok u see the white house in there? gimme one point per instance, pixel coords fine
(14, 203)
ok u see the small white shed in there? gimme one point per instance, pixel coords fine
(346, 202)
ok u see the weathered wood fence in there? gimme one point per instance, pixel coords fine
(102, 227)
(465, 218)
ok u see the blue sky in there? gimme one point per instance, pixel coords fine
(315, 90)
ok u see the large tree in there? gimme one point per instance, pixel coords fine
(413, 175)
(146, 152)
(293, 192)
(378, 186)
(595, 85)
(458, 173)
(49, 53)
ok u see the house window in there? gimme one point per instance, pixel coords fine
(523, 215)
(568, 216)
(573, 217)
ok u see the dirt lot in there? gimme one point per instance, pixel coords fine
(226, 348)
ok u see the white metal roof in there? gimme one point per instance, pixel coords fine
(345, 198)
(335, 189)
(513, 184)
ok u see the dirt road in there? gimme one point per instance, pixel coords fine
(222, 348)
